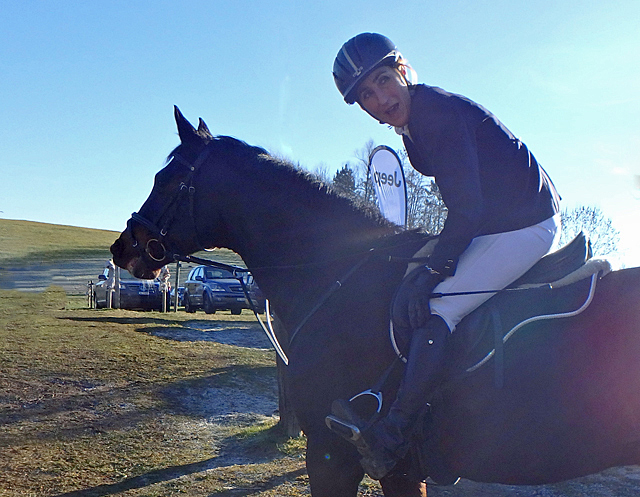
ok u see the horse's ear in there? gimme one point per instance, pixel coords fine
(186, 131)
(203, 130)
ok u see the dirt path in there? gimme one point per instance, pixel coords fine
(72, 276)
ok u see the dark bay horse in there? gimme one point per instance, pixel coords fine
(570, 401)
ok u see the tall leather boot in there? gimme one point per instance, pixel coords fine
(386, 442)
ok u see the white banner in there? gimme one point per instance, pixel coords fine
(387, 176)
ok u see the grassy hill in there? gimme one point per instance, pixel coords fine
(27, 242)
(34, 256)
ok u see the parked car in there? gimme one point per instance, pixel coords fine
(180, 296)
(134, 293)
(212, 289)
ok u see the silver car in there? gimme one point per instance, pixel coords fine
(212, 289)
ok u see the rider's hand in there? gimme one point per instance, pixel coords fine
(411, 304)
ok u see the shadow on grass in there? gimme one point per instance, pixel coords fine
(257, 447)
(239, 333)
(121, 320)
(174, 472)
(202, 325)
(243, 390)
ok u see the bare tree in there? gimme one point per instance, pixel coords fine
(425, 208)
(364, 187)
(604, 237)
(322, 172)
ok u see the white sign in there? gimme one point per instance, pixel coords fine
(387, 176)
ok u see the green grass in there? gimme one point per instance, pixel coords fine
(23, 243)
(90, 399)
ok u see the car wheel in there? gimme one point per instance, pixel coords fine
(236, 312)
(187, 304)
(207, 305)
(95, 302)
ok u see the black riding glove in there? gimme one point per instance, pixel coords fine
(411, 304)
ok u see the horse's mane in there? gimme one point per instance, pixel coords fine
(262, 165)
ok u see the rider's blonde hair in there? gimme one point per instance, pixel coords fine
(408, 73)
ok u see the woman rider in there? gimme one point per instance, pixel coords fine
(502, 218)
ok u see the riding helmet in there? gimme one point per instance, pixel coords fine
(358, 57)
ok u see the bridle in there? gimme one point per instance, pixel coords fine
(158, 248)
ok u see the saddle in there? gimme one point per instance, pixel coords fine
(556, 265)
(560, 285)
(537, 292)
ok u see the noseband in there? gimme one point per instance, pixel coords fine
(158, 248)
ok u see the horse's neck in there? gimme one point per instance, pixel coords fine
(298, 244)
(286, 219)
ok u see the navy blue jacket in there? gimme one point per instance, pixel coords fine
(488, 179)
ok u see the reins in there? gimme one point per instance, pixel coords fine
(237, 273)
(268, 328)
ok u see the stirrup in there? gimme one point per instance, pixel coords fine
(344, 421)
(346, 430)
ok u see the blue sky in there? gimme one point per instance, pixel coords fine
(88, 89)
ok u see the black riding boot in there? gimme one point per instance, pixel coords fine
(386, 442)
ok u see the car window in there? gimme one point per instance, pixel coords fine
(213, 273)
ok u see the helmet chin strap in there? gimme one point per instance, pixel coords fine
(365, 109)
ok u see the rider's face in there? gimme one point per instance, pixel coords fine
(385, 95)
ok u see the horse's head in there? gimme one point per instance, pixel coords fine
(222, 192)
(165, 224)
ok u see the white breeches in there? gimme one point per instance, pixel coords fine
(492, 262)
